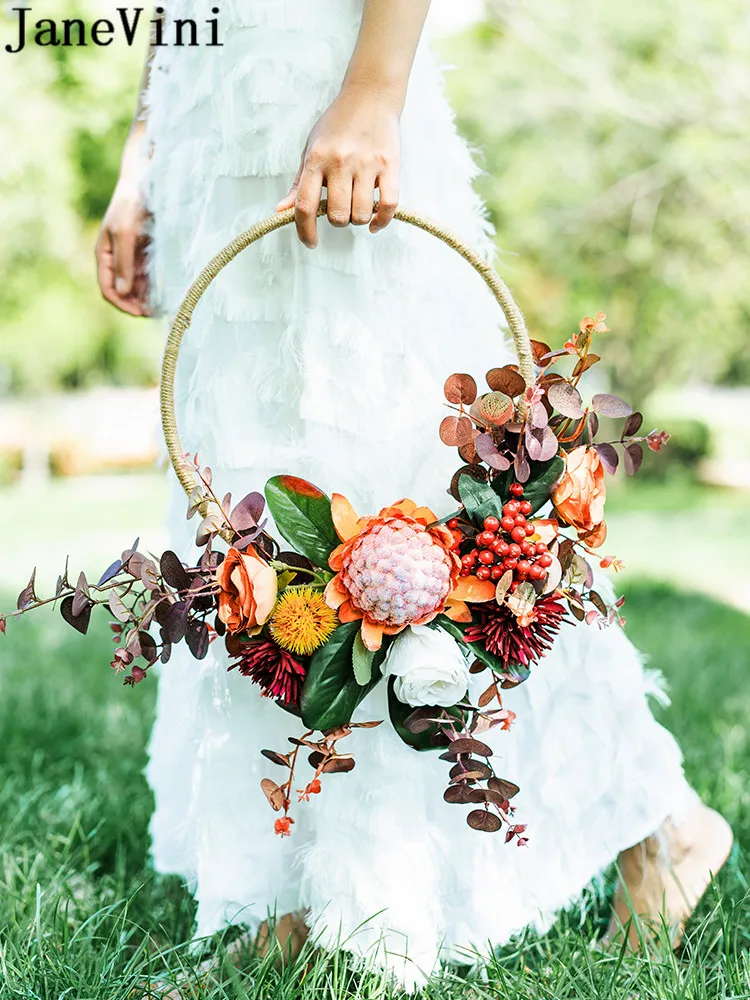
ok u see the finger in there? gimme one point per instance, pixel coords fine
(306, 206)
(340, 187)
(123, 251)
(388, 203)
(363, 199)
(106, 275)
(291, 197)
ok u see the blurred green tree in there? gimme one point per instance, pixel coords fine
(65, 115)
(616, 140)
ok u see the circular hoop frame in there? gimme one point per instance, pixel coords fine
(181, 321)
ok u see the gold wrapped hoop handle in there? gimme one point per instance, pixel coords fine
(181, 321)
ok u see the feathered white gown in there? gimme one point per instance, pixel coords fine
(330, 365)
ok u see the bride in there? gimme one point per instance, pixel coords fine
(323, 353)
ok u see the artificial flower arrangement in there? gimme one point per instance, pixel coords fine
(403, 597)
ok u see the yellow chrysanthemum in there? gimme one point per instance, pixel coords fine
(302, 621)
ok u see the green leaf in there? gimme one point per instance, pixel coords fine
(479, 499)
(362, 661)
(399, 713)
(477, 650)
(302, 514)
(331, 692)
(543, 478)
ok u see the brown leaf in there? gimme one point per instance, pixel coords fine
(611, 406)
(276, 758)
(610, 458)
(27, 597)
(584, 364)
(505, 788)
(456, 431)
(468, 452)
(476, 769)
(338, 765)
(466, 776)
(80, 622)
(475, 471)
(633, 458)
(464, 745)
(497, 408)
(461, 389)
(539, 349)
(458, 795)
(173, 571)
(273, 793)
(118, 608)
(488, 696)
(506, 380)
(484, 821)
(566, 399)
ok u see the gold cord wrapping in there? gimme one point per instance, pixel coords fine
(181, 321)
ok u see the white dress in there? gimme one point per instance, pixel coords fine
(329, 365)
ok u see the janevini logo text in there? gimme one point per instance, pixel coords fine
(71, 32)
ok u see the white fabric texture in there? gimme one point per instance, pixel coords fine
(329, 365)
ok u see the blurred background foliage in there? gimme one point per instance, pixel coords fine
(64, 118)
(616, 142)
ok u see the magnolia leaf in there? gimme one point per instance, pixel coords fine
(456, 431)
(479, 499)
(331, 693)
(598, 602)
(302, 513)
(566, 399)
(610, 458)
(611, 406)
(362, 661)
(461, 389)
(633, 458)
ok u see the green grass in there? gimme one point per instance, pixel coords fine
(82, 916)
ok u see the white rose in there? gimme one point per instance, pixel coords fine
(429, 667)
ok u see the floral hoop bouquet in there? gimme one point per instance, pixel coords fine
(405, 597)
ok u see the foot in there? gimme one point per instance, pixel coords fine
(288, 936)
(664, 877)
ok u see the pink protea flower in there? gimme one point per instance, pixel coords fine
(396, 569)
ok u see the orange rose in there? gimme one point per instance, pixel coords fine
(248, 591)
(580, 495)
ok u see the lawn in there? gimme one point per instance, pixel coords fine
(82, 916)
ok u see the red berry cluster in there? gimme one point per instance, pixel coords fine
(504, 545)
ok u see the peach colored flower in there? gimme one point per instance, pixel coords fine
(579, 497)
(248, 591)
(397, 569)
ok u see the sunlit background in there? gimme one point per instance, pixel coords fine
(615, 144)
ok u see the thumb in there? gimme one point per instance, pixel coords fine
(289, 200)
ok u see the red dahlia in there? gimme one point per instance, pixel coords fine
(501, 633)
(279, 674)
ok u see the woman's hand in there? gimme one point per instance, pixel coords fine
(123, 240)
(353, 150)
